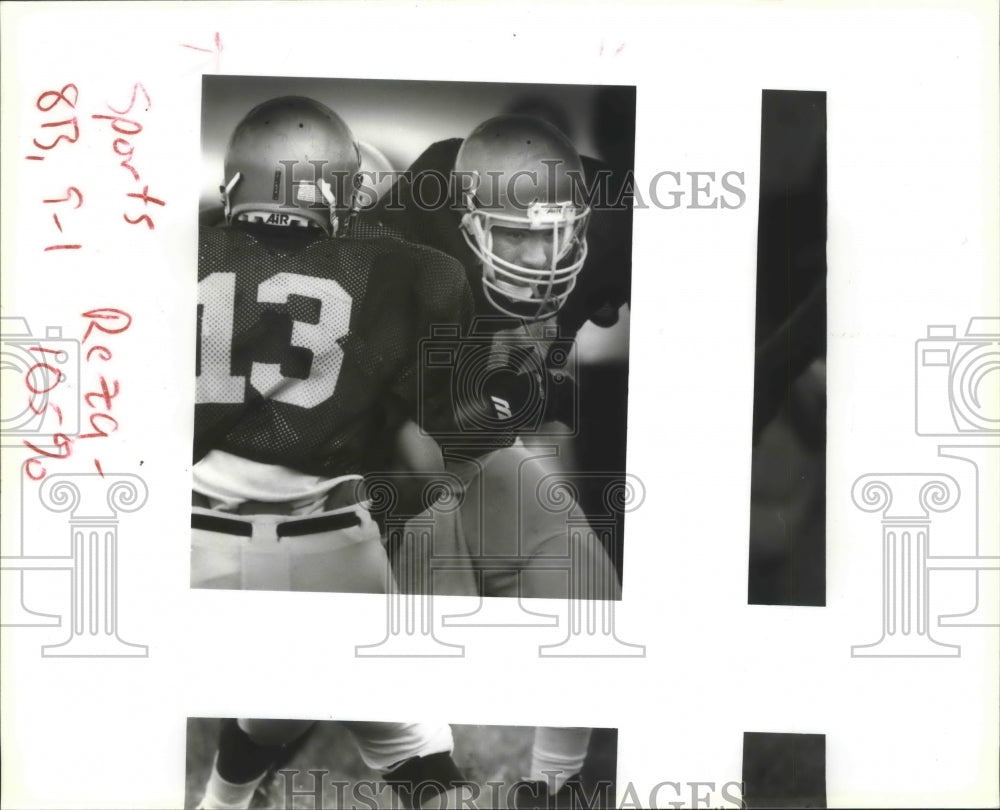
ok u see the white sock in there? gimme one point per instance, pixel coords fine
(223, 795)
(558, 754)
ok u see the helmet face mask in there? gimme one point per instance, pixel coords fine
(526, 176)
(538, 291)
(291, 162)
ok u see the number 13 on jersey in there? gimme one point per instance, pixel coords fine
(216, 312)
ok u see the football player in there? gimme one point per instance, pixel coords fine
(307, 360)
(496, 172)
(520, 228)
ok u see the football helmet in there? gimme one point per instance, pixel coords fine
(518, 172)
(291, 161)
(376, 177)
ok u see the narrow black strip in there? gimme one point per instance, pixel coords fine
(784, 770)
(787, 564)
(325, 523)
(291, 528)
(211, 523)
(600, 770)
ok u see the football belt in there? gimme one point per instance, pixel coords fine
(294, 527)
(341, 497)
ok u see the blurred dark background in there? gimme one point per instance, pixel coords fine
(787, 564)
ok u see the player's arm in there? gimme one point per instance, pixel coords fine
(416, 451)
(443, 298)
(417, 409)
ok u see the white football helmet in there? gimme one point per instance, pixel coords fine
(519, 172)
(377, 175)
(291, 161)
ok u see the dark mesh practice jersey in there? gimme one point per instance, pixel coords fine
(309, 347)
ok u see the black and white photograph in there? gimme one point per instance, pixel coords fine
(374, 764)
(526, 405)
(413, 303)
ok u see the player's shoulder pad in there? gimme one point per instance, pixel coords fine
(262, 237)
(442, 285)
(379, 241)
(220, 237)
(370, 225)
(397, 205)
(430, 270)
(439, 156)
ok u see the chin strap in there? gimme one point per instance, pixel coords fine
(331, 200)
(226, 190)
